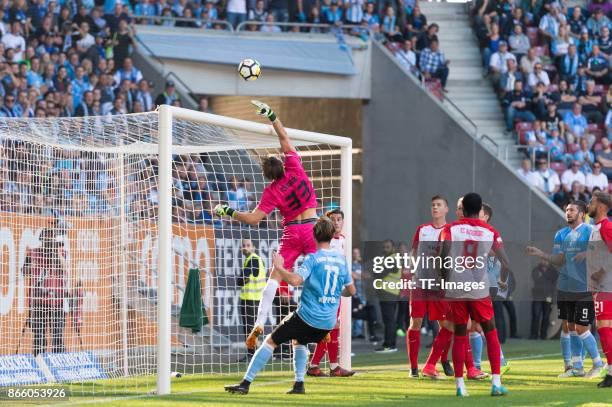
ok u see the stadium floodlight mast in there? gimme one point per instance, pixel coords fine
(167, 115)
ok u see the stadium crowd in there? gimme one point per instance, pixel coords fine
(551, 67)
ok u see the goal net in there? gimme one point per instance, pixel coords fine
(102, 220)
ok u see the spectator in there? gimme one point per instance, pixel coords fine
(538, 75)
(371, 16)
(572, 174)
(597, 67)
(590, 100)
(85, 108)
(569, 64)
(585, 46)
(280, 10)
(584, 156)
(576, 22)
(536, 141)
(498, 63)
(604, 157)
(353, 11)
(549, 24)
(546, 180)
(542, 98)
(519, 43)
(596, 179)
(389, 22)
(433, 64)
(491, 44)
(576, 125)
(427, 37)
(123, 42)
(417, 23)
(15, 41)
(608, 122)
(144, 97)
(596, 22)
(8, 110)
(544, 277)
(525, 171)
(605, 42)
(576, 193)
(516, 104)
(258, 13)
(236, 12)
(128, 71)
(506, 82)
(566, 98)
(406, 56)
(529, 61)
(560, 45)
(269, 26)
(555, 146)
(203, 105)
(168, 96)
(553, 120)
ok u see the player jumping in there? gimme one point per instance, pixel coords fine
(471, 238)
(600, 205)
(332, 347)
(292, 193)
(574, 303)
(324, 277)
(425, 243)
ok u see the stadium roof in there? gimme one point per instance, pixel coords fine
(308, 56)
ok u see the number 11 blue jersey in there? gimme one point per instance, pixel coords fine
(325, 273)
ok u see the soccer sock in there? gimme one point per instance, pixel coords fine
(460, 383)
(493, 351)
(300, 359)
(566, 348)
(476, 344)
(439, 344)
(413, 342)
(605, 337)
(259, 361)
(469, 359)
(447, 345)
(318, 353)
(332, 348)
(265, 304)
(576, 344)
(590, 344)
(496, 380)
(460, 344)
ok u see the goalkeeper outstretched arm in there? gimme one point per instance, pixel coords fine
(265, 111)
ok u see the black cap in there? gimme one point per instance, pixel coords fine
(169, 83)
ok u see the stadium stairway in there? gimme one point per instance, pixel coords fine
(468, 90)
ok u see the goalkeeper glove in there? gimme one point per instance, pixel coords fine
(222, 210)
(264, 110)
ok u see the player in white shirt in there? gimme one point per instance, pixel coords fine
(330, 345)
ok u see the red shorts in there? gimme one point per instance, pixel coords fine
(296, 240)
(478, 310)
(430, 301)
(603, 306)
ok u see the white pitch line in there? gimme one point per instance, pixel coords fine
(140, 396)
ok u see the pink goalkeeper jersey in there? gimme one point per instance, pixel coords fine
(292, 194)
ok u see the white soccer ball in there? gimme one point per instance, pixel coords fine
(249, 69)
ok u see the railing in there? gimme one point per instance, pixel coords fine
(200, 23)
(312, 28)
(485, 137)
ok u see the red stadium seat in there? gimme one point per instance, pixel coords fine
(521, 129)
(532, 34)
(572, 148)
(435, 87)
(597, 147)
(553, 88)
(610, 187)
(600, 89)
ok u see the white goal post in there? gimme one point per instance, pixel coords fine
(167, 115)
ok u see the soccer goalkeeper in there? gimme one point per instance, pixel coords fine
(292, 193)
(324, 276)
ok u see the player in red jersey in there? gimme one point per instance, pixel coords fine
(425, 243)
(599, 269)
(292, 193)
(466, 243)
(331, 345)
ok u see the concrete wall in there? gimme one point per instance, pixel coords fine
(221, 79)
(413, 150)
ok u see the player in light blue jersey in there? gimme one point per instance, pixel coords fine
(574, 303)
(324, 277)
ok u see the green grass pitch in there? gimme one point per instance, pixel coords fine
(382, 380)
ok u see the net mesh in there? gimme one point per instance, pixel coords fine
(78, 235)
